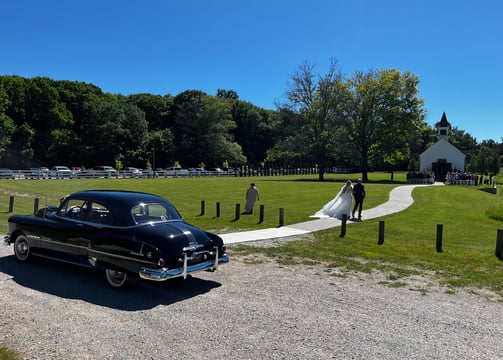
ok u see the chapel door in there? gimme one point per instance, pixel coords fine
(441, 168)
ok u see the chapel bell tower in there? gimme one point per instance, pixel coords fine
(443, 128)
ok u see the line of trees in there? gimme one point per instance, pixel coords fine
(371, 120)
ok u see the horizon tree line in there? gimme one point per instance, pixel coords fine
(371, 120)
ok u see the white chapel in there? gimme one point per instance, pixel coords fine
(442, 157)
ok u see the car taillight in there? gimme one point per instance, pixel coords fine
(224, 249)
(161, 262)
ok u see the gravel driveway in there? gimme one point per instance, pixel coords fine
(244, 311)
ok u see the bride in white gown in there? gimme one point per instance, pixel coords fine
(339, 205)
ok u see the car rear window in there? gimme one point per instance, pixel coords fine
(154, 212)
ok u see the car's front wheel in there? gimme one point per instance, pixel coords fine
(116, 279)
(22, 248)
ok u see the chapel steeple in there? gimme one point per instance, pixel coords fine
(443, 128)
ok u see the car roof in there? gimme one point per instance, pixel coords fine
(118, 198)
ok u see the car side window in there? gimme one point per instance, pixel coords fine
(73, 209)
(99, 214)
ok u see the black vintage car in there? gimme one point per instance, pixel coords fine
(122, 232)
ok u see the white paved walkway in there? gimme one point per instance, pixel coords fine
(400, 198)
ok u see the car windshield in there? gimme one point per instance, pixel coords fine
(143, 213)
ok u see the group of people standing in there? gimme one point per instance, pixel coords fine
(342, 202)
(337, 207)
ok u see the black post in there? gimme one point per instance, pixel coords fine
(202, 207)
(380, 240)
(218, 209)
(238, 210)
(439, 237)
(281, 216)
(499, 244)
(35, 205)
(11, 204)
(261, 218)
(343, 225)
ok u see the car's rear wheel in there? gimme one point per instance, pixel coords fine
(22, 248)
(116, 279)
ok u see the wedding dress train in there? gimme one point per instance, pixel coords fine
(339, 205)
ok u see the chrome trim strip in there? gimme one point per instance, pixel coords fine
(140, 253)
(165, 274)
(100, 226)
(193, 247)
(60, 259)
(93, 252)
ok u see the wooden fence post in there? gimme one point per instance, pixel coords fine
(439, 237)
(281, 216)
(238, 211)
(343, 225)
(261, 218)
(218, 209)
(202, 207)
(11, 204)
(35, 206)
(499, 244)
(380, 240)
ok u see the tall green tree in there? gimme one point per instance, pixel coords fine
(6, 124)
(255, 130)
(161, 145)
(384, 115)
(203, 130)
(115, 130)
(321, 103)
(157, 109)
(227, 94)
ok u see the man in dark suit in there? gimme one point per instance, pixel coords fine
(359, 195)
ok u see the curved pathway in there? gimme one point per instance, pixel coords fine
(400, 198)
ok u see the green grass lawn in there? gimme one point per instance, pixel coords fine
(468, 241)
(469, 233)
(299, 196)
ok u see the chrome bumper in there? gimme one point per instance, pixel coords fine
(165, 274)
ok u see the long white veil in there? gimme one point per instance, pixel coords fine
(335, 207)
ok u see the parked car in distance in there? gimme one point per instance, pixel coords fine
(6, 173)
(216, 171)
(37, 173)
(121, 232)
(75, 171)
(176, 171)
(87, 173)
(60, 172)
(148, 173)
(132, 172)
(197, 172)
(105, 171)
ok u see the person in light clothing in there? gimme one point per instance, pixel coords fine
(251, 197)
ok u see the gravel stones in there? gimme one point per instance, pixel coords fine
(262, 310)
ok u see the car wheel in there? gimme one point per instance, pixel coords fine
(22, 248)
(116, 279)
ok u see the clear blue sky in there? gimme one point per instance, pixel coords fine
(253, 47)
